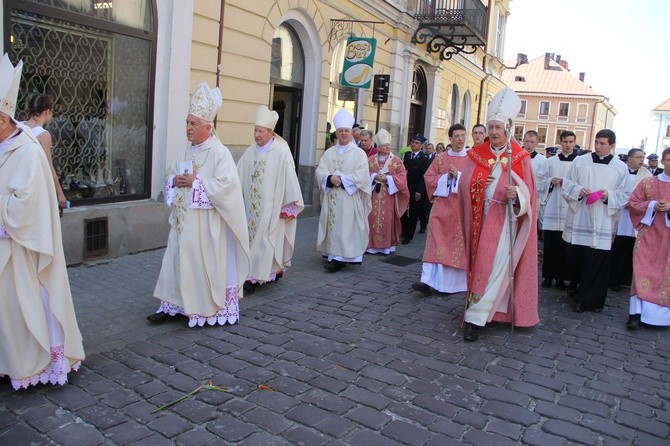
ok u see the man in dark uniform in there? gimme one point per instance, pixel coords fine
(416, 163)
(653, 165)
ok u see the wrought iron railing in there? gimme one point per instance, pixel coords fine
(469, 13)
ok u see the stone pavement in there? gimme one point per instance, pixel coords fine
(354, 358)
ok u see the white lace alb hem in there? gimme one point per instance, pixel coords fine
(55, 373)
(229, 315)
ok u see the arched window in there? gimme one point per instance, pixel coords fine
(288, 62)
(455, 98)
(467, 110)
(96, 59)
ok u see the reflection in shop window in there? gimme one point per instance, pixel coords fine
(100, 83)
(338, 95)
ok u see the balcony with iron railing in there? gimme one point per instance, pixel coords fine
(449, 27)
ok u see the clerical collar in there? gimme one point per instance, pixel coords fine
(265, 147)
(533, 154)
(497, 151)
(461, 153)
(633, 172)
(604, 160)
(4, 145)
(342, 149)
(196, 148)
(564, 157)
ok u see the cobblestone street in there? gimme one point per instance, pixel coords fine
(354, 358)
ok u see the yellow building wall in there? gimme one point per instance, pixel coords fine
(245, 62)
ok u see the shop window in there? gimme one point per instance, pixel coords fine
(95, 58)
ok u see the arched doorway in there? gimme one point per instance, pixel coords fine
(417, 106)
(287, 74)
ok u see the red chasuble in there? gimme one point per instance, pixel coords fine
(482, 233)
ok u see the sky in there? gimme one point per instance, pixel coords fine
(621, 45)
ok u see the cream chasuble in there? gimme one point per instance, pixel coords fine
(343, 224)
(272, 200)
(207, 256)
(36, 306)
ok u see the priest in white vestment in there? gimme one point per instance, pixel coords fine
(207, 256)
(595, 189)
(272, 200)
(344, 178)
(40, 341)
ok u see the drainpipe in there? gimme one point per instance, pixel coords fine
(487, 76)
(219, 47)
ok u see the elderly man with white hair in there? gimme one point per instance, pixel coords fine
(390, 196)
(207, 256)
(344, 179)
(272, 200)
(40, 341)
(499, 214)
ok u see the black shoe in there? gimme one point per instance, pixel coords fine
(249, 288)
(470, 332)
(333, 266)
(406, 241)
(422, 230)
(422, 287)
(546, 283)
(560, 285)
(615, 287)
(579, 308)
(633, 322)
(158, 318)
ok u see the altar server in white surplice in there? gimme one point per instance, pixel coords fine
(595, 188)
(40, 341)
(344, 179)
(272, 200)
(207, 256)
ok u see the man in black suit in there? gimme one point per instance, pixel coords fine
(416, 163)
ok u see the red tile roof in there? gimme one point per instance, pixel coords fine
(555, 80)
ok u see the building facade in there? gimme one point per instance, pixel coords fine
(121, 73)
(554, 100)
(661, 113)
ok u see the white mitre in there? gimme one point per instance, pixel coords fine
(343, 119)
(504, 106)
(205, 103)
(383, 137)
(266, 118)
(10, 79)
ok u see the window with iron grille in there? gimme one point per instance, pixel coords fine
(95, 59)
